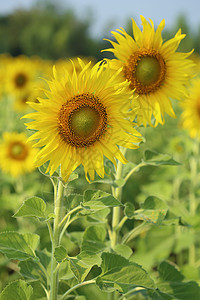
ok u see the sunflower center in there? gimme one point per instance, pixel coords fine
(20, 80)
(18, 151)
(82, 120)
(145, 70)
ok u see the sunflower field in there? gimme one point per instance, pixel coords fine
(99, 160)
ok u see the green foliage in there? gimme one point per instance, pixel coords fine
(171, 284)
(120, 274)
(97, 200)
(32, 207)
(17, 290)
(18, 246)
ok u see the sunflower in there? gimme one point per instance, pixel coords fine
(16, 155)
(63, 64)
(154, 70)
(191, 110)
(82, 121)
(20, 75)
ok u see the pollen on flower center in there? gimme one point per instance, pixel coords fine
(18, 151)
(145, 70)
(82, 120)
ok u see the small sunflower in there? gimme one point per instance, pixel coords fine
(21, 74)
(16, 155)
(82, 121)
(154, 70)
(191, 110)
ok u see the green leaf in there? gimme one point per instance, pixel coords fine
(31, 270)
(118, 273)
(123, 250)
(96, 200)
(38, 291)
(99, 216)
(17, 290)
(169, 272)
(153, 211)
(79, 268)
(72, 201)
(119, 183)
(32, 240)
(129, 210)
(73, 176)
(154, 158)
(60, 254)
(93, 245)
(32, 207)
(16, 246)
(173, 285)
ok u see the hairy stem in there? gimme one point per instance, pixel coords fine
(55, 241)
(117, 193)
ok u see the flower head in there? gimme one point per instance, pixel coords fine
(154, 70)
(191, 110)
(16, 155)
(81, 121)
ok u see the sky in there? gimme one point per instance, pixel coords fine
(112, 14)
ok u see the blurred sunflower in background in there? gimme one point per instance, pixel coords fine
(82, 121)
(154, 70)
(16, 155)
(20, 75)
(191, 110)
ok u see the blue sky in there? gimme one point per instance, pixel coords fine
(110, 15)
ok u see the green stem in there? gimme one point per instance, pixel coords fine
(55, 242)
(68, 214)
(76, 287)
(142, 164)
(135, 232)
(117, 192)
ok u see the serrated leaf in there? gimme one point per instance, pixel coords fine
(153, 211)
(17, 290)
(15, 246)
(60, 253)
(32, 207)
(96, 200)
(154, 158)
(118, 273)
